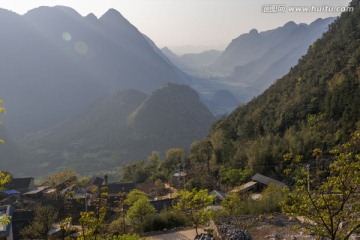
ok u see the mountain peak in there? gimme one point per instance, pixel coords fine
(253, 32)
(7, 12)
(320, 21)
(290, 24)
(67, 10)
(114, 16)
(91, 16)
(52, 12)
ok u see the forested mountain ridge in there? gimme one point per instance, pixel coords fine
(124, 126)
(316, 105)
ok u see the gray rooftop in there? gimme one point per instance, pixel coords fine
(266, 180)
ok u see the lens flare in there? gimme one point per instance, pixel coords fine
(66, 36)
(81, 47)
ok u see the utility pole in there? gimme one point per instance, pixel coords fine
(308, 177)
(184, 175)
(86, 205)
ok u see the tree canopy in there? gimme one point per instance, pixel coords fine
(330, 208)
(140, 208)
(193, 205)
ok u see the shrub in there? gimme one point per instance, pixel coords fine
(269, 202)
(165, 220)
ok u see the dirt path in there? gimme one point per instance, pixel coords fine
(187, 234)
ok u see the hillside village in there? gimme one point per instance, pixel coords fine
(22, 197)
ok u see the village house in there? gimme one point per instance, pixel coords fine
(258, 183)
(218, 196)
(21, 185)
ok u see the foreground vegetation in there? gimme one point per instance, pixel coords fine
(327, 200)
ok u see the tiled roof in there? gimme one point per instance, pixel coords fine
(266, 180)
(245, 187)
(37, 190)
(115, 188)
(18, 183)
(97, 181)
(218, 193)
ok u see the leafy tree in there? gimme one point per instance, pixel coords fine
(92, 222)
(139, 212)
(133, 196)
(234, 204)
(66, 227)
(234, 176)
(139, 208)
(4, 221)
(90, 225)
(45, 217)
(117, 226)
(166, 219)
(192, 204)
(134, 172)
(174, 156)
(331, 208)
(126, 237)
(5, 178)
(66, 177)
(269, 202)
(152, 165)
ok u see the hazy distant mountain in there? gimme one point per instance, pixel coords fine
(124, 126)
(186, 49)
(192, 62)
(255, 60)
(272, 45)
(12, 156)
(54, 62)
(182, 75)
(250, 63)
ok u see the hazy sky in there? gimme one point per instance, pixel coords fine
(176, 23)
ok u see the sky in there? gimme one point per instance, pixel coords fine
(193, 25)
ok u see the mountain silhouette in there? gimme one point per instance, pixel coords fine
(54, 62)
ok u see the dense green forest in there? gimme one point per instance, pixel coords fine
(316, 105)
